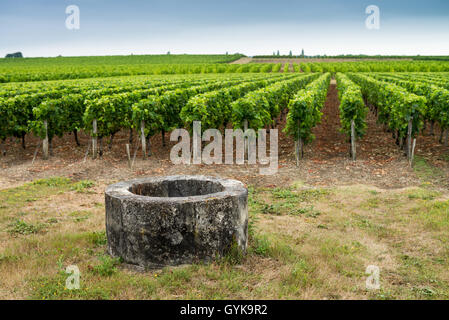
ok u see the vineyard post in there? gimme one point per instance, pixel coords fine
(128, 153)
(298, 144)
(245, 145)
(35, 152)
(409, 139)
(87, 151)
(297, 152)
(413, 152)
(94, 139)
(45, 142)
(75, 134)
(142, 137)
(353, 142)
(131, 136)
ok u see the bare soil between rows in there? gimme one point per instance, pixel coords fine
(326, 160)
(245, 60)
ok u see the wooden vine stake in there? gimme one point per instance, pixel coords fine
(128, 153)
(353, 142)
(245, 144)
(35, 152)
(297, 152)
(410, 142)
(45, 142)
(94, 139)
(413, 152)
(143, 140)
(298, 146)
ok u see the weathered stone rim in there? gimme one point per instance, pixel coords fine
(122, 190)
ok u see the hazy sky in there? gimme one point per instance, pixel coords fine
(109, 27)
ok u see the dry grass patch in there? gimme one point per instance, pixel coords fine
(305, 243)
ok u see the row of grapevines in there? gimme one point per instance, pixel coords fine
(115, 112)
(352, 106)
(376, 66)
(262, 106)
(213, 109)
(112, 84)
(437, 99)
(42, 73)
(395, 105)
(62, 115)
(436, 81)
(28, 111)
(277, 67)
(69, 87)
(305, 109)
(24, 113)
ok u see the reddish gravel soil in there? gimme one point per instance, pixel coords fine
(326, 160)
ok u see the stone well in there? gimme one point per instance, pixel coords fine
(154, 222)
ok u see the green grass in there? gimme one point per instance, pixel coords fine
(80, 216)
(287, 201)
(15, 198)
(83, 186)
(426, 172)
(106, 267)
(423, 194)
(20, 227)
(434, 215)
(301, 246)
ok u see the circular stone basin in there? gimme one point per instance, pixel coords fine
(154, 222)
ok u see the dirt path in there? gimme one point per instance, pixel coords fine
(243, 60)
(299, 60)
(329, 142)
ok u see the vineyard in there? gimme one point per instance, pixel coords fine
(161, 96)
(362, 175)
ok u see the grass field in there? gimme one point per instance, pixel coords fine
(305, 242)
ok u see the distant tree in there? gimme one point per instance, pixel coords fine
(227, 53)
(14, 55)
(274, 53)
(290, 54)
(168, 53)
(278, 53)
(302, 53)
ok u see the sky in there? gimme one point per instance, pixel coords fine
(253, 27)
